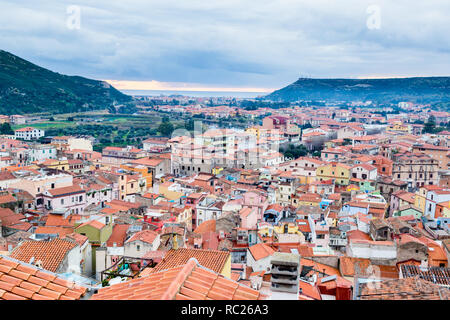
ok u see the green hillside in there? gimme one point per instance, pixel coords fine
(28, 88)
(394, 90)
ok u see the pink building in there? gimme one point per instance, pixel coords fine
(249, 217)
(72, 198)
(255, 200)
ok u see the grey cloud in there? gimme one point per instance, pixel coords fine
(230, 43)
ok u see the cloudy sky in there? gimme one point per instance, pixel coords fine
(243, 45)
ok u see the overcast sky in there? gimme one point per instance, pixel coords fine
(229, 43)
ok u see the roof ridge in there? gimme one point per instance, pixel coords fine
(179, 280)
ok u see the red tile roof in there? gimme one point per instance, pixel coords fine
(147, 236)
(207, 226)
(93, 223)
(211, 259)
(189, 281)
(51, 253)
(404, 289)
(20, 281)
(118, 235)
(260, 251)
(7, 198)
(309, 290)
(366, 268)
(58, 192)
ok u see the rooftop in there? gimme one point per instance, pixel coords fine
(189, 281)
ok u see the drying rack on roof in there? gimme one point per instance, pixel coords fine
(128, 267)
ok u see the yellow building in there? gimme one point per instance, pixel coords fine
(288, 232)
(217, 170)
(398, 126)
(255, 131)
(306, 199)
(420, 199)
(57, 164)
(266, 230)
(291, 228)
(142, 170)
(339, 172)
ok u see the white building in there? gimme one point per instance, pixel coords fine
(29, 133)
(259, 256)
(41, 152)
(367, 249)
(141, 243)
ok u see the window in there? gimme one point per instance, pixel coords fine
(138, 248)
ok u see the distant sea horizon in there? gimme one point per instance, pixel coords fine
(196, 94)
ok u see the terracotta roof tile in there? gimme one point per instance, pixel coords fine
(65, 191)
(211, 259)
(147, 236)
(51, 253)
(404, 289)
(93, 223)
(206, 226)
(260, 251)
(347, 268)
(18, 283)
(185, 282)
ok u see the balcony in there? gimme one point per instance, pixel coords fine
(284, 279)
(338, 242)
(284, 270)
(284, 287)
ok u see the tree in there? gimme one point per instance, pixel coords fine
(189, 124)
(5, 128)
(166, 128)
(430, 125)
(294, 152)
(306, 126)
